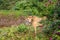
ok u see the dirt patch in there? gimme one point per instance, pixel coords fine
(9, 20)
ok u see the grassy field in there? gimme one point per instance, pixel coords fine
(15, 12)
(21, 32)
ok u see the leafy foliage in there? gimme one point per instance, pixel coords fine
(35, 7)
(22, 28)
(49, 8)
(53, 29)
(7, 4)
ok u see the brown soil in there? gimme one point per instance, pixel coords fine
(9, 20)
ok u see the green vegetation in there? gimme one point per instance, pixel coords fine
(48, 8)
(18, 33)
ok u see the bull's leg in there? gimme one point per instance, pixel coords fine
(35, 31)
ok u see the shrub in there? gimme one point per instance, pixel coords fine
(22, 28)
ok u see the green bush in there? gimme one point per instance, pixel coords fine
(52, 29)
(35, 7)
(22, 28)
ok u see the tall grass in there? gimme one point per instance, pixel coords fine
(15, 12)
(21, 32)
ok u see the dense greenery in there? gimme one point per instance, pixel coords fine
(49, 8)
(31, 7)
